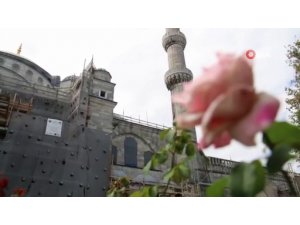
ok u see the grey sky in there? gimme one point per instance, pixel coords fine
(137, 62)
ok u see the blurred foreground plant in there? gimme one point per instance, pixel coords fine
(176, 154)
(224, 102)
(248, 179)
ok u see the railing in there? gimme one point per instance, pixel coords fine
(221, 162)
(140, 122)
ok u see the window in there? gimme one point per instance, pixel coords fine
(15, 66)
(102, 94)
(40, 80)
(130, 152)
(114, 155)
(29, 75)
(147, 157)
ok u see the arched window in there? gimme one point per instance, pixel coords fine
(114, 154)
(130, 152)
(15, 66)
(29, 75)
(147, 157)
(40, 80)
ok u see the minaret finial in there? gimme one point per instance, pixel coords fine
(19, 49)
(174, 43)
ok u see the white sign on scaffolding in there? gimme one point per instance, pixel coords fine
(54, 127)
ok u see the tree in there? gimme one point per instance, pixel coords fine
(293, 92)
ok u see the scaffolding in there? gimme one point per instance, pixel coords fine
(8, 104)
(293, 178)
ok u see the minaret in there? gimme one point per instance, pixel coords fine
(174, 43)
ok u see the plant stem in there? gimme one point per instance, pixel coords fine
(288, 180)
(172, 166)
(166, 188)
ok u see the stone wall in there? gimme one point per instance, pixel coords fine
(146, 138)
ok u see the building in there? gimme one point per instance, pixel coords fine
(62, 138)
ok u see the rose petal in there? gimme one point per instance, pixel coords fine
(233, 104)
(215, 80)
(197, 99)
(260, 117)
(210, 135)
(223, 140)
(188, 120)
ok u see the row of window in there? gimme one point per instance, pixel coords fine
(130, 153)
(28, 73)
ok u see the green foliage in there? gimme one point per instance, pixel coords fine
(146, 192)
(179, 145)
(247, 179)
(189, 149)
(158, 158)
(218, 187)
(293, 91)
(282, 133)
(178, 173)
(280, 155)
(119, 188)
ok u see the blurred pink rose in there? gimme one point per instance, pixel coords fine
(224, 102)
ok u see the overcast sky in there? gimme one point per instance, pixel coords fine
(137, 62)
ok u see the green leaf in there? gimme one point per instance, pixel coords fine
(247, 179)
(157, 159)
(111, 193)
(177, 176)
(146, 192)
(124, 181)
(280, 155)
(218, 187)
(167, 176)
(179, 146)
(185, 136)
(170, 135)
(169, 147)
(190, 149)
(164, 133)
(162, 156)
(139, 193)
(282, 133)
(153, 191)
(148, 166)
(184, 171)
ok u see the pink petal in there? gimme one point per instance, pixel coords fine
(212, 134)
(224, 111)
(188, 120)
(232, 105)
(223, 140)
(261, 116)
(197, 99)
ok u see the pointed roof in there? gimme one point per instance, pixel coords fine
(91, 66)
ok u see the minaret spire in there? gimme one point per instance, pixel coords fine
(174, 43)
(19, 49)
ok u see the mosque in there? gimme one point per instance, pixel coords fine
(62, 137)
